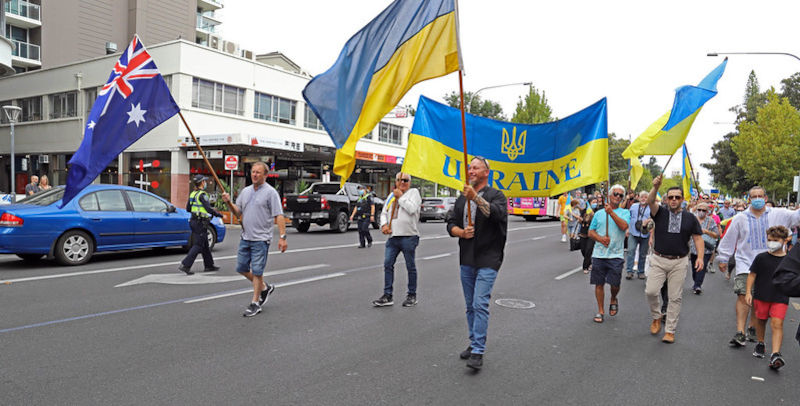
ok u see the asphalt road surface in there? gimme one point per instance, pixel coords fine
(128, 328)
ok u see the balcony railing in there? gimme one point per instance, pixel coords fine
(23, 8)
(26, 50)
(206, 24)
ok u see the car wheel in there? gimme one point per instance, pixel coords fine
(74, 248)
(341, 224)
(302, 226)
(212, 237)
(423, 220)
(30, 257)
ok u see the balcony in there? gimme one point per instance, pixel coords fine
(23, 14)
(207, 24)
(6, 49)
(209, 5)
(26, 55)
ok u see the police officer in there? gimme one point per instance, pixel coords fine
(364, 212)
(201, 216)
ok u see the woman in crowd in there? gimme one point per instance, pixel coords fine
(587, 244)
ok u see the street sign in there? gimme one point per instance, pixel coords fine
(231, 162)
(796, 186)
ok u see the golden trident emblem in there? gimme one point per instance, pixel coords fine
(512, 146)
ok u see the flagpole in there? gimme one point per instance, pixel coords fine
(691, 169)
(667, 164)
(203, 154)
(464, 140)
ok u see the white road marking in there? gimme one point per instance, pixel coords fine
(277, 285)
(160, 264)
(180, 279)
(565, 274)
(539, 238)
(437, 256)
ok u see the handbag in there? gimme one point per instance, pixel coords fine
(574, 240)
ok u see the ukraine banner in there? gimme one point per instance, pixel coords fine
(409, 42)
(669, 132)
(561, 155)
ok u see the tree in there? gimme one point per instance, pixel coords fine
(533, 109)
(790, 89)
(725, 171)
(475, 105)
(753, 99)
(618, 166)
(767, 147)
(667, 183)
(653, 167)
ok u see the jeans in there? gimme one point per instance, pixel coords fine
(698, 277)
(408, 245)
(587, 246)
(363, 231)
(252, 257)
(477, 284)
(199, 244)
(643, 243)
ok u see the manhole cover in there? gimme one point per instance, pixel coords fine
(515, 303)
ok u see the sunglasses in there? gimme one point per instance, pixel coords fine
(404, 180)
(674, 197)
(618, 194)
(703, 210)
(482, 159)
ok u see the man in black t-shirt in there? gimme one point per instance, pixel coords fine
(673, 228)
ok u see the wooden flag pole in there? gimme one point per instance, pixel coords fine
(691, 169)
(203, 154)
(665, 165)
(464, 140)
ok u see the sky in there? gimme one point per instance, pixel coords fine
(635, 53)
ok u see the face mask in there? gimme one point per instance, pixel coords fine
(758, 203)
(594, 206)
(361, 192)
(701, 214)
(773, 246)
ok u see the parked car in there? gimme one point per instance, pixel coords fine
(325, 203)
(435, 208)
(99, 218)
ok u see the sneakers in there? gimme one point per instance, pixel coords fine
(369, 244)
(629, 276)
(641, 275)
(362, 246)
(411, 300)
(385, 300)
(776, 361)
(655, 326)
(751, 334)
(476, 361)
(185, 270)
(738, 340)
(563, 238)
(265, 294)
(669, 338)
(759, 350)
(252, 310)
(698, 291)
(466, 353)
(212, 268)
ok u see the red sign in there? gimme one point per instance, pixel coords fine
(231, 162)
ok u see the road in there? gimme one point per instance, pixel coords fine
(128, 328)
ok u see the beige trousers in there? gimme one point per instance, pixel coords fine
(673, 271)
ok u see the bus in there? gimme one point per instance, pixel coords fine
(532, 208)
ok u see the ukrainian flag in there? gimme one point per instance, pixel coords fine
(669, 132)
(561, 155)
(687, 175)
(409, 42)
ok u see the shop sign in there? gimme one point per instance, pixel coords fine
(213, 139)
(267, 141)
(210, 154)
(374, 157)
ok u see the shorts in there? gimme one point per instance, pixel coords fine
(740, 284)
(766, 310)
(252, 257)
(563, 218)
(606, 270)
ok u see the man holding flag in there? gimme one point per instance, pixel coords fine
(133, 101)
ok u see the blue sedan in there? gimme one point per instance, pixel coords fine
(99, 218)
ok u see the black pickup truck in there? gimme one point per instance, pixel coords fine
(325, 203)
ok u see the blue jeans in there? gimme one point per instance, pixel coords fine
(643, 243)
(477, 284)
(252, 257)
(394, 245)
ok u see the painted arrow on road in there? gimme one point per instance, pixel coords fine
(181, 279)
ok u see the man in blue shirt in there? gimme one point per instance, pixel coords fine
(608, 230)
(640, 218)
(726, 211)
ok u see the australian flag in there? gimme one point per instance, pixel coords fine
(133, 101)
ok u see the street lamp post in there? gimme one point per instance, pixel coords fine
(12, 113)
(492, 87)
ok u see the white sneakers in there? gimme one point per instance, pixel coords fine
(563, 238)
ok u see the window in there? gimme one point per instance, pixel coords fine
(89, 203)
(110, 200)
(147, 203)
(217, 96)
(90, 96)
(63, 104)
(3, 117)
(274, 108)
(393, 134)
(31, 108)
(311, 120)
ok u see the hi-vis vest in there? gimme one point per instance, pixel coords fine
(196, 205)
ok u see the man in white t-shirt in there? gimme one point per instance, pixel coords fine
(399, 219)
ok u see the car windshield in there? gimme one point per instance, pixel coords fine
(431, 201)
(45, 198)
(325, 188)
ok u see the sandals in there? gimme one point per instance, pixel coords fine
(598, 318)
(613, 308)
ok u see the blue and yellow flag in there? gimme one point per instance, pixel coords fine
(409, 42)
(686, 175)
(669, 132)
(561, 155)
